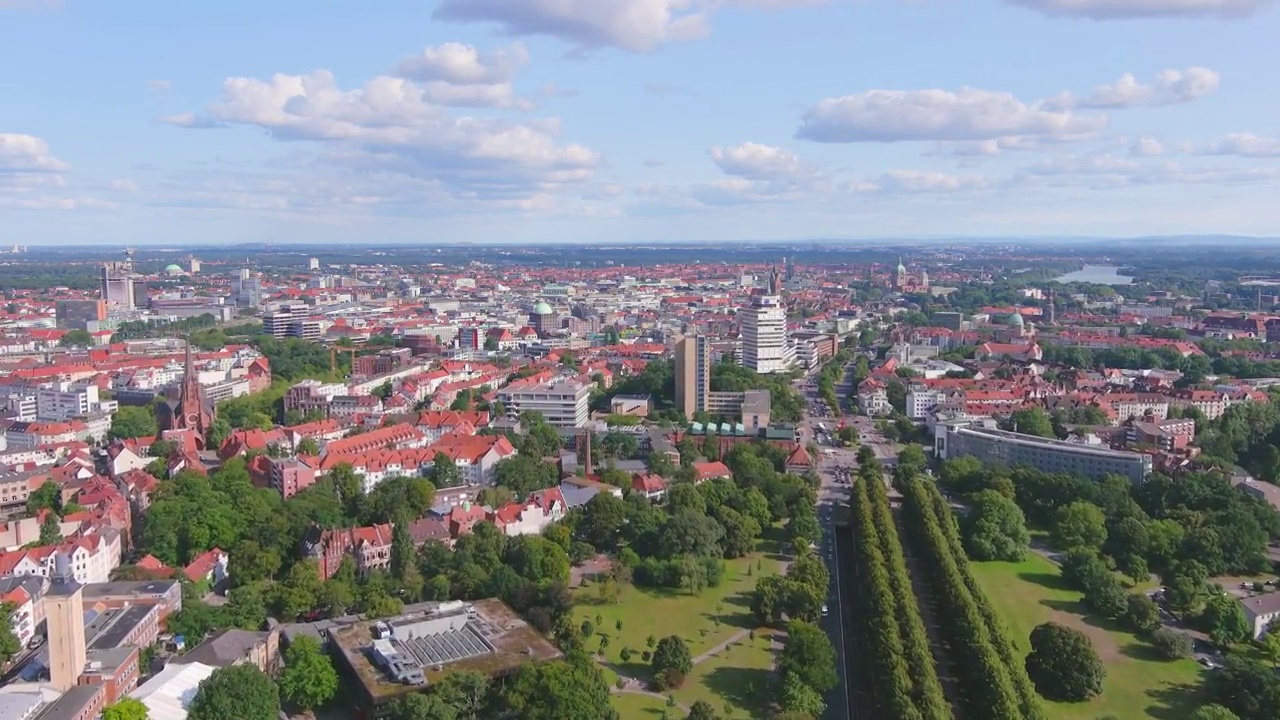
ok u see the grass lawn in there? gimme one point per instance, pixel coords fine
(640, 707)
(739, 676)
(1138, 684)
(704, 620)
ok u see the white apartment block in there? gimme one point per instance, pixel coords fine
(564, 404)
(65, 400)
(921, 399)
(766, 348)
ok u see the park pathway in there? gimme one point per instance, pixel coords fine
(736, 637)
(632, 686)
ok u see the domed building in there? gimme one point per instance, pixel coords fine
(543, 319)
(173, 270)
(904, 282)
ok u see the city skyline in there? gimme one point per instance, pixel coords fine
(640, 120)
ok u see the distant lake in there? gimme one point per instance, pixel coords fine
(1097, 274)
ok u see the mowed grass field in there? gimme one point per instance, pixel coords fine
(1138, 684)
(640, 707)
(739, 677)
(704, 620)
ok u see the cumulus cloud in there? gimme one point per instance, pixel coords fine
(759, 162)
(124, 185)
(552, 90)
(25, 154)
(396, 126)
(1170, 87)
(968, 114)
(1146, 147)
(1129, 9)
(1244, 145)
(460, 64)
(634, 25)
(158, 85)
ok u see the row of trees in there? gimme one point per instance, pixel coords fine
(890, 599)
(992, 680)
(832, 372)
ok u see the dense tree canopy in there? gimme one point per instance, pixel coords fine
(236, 691)
(308, 679)
(994, 528)
(1063, 664)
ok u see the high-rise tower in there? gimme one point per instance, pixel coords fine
(693, 374)
(64, 616)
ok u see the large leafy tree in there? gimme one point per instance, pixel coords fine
(574, 688)
(466, 692)
(126, 708)
(995, 529)
(1080, 524)
(1247, 688)
(421, 706)
(239, 691)
(671, 662)
(1224, 620)
(808, 655)
(1063, 664)
(308, 679)
(132, 421)
(1032, 421)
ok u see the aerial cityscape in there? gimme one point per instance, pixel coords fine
(639, 360)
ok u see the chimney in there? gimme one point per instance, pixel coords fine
(586, 451)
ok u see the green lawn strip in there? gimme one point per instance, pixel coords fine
(703, 620)
(1138, 684)
(740, 675)
(640, 707)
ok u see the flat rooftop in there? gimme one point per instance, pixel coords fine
(513, 643)
(130, 589)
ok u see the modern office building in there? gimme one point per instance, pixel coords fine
(78, 314)
(116, 285)
(693, 374)
(246, 289)
(766, 349)
(65, 400)
(1000, 447)
(564, 404)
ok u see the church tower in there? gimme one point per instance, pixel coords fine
(192, 412)
(64, 616)
(900, 276)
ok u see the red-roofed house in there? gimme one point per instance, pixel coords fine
(369, 546)
(532, 516)
(651, 486)
(704, 471)
(209, 566)
(799, 461)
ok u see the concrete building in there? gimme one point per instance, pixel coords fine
(116, 285)
(78, 314)
(959, 439)
(766, 348)
(693, 374)
(246, 290)
(64, 615)
(66, 400)
(563, 403)
(543, 319)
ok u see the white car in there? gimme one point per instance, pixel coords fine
(824, 610)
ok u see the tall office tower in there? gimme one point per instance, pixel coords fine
(116, 285)
(64, 615)
(693, 374)
(766, 348)
(246, 289)
(313, 263)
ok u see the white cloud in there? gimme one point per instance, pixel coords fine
(21, 154)
(1170, 87)
(759, 162)
(914, 181)
(1126, 9)
(552, 90)
(1146, 147)
(124, 185)
(398, 127)
(1244, 145)
(967, 114)
(190, 121)
(158, 85)
(1105, 171)
(634, 25)
(460, 64)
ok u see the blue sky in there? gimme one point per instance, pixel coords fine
(531, 121)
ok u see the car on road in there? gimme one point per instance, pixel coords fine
(825, 612)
